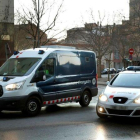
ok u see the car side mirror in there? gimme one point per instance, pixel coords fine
(107, 83)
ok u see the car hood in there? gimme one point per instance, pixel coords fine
(130, 93)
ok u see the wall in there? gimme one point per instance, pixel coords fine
(6, 28)
(7, 11)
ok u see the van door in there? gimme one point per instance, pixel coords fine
(46, 79)
(68, 75)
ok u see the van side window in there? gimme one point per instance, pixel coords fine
(87, 65)
(47, 68)
(69, 65)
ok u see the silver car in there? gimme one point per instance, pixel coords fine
(121, 96)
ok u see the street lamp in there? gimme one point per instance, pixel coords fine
(38, 26)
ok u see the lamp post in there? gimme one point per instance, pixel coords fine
(38, 43)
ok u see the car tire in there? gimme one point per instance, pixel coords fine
(33, 106)
(100, 115)
(85, 99)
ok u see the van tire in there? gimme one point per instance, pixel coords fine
(85, 99)
(33, 106)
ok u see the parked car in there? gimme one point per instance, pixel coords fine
(112, 70)
(119, 70)
(121, 96)
(105, 71)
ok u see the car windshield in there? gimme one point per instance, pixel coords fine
(19, 66)
(127, 80)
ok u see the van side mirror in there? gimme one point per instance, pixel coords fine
(107, 83)
(44, 77)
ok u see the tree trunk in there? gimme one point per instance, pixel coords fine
(124, 63)
(99, 67)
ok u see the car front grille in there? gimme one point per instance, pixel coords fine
(137, 112)
(1, 91)
(119, 112)
(120, 100)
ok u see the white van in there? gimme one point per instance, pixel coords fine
(50, 75)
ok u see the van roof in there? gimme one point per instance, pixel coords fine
(47, 49)
(58, 46)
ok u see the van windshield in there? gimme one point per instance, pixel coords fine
(19, 66)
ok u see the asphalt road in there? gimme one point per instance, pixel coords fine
(67, 122)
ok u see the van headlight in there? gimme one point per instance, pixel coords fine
(15, 86)
(137, 100)
(103, 98)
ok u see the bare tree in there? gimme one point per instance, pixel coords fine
(120, 39)
(33, 18)
(129, 35)
(95, 36)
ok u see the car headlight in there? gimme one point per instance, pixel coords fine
(15, 86)
(103, 98)
(137, 100)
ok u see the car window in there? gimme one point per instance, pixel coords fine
(46, 68)
(126, 80)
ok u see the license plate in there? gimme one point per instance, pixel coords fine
(119, 107)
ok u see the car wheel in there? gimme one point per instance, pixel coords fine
(85, 99)
(33, 107)
(100, 115)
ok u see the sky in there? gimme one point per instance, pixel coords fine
(77, 12)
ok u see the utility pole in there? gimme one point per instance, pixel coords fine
(7, 50)
(38, 42)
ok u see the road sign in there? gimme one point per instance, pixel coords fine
(131, 51)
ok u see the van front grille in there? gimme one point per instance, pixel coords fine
(1, 91)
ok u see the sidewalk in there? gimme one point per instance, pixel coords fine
(103, 80)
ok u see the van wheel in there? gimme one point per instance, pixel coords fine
(33, 107)
(85, 99)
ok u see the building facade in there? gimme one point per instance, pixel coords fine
(6, 29)
(26, 36)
